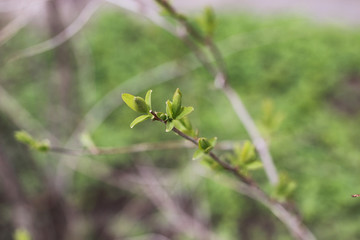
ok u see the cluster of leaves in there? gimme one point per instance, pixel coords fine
(27, 139)
(244, 158)
(175, 113)
(284, 189)
(204, 147)
(175, 116)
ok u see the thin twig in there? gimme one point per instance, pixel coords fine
(63, 36)
(224, 164)
(298, 230)
(221, 81)
(137, 148)
(249, 187)
(175, 215)
(14, 26)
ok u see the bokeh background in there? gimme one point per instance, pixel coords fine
(296, 66)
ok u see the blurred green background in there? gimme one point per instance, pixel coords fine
(300, 81)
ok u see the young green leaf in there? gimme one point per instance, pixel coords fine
(254, 165)
(148, 98)
(169, 111)
(139, 120)
(141, 105)
(247, 153)
(42, 146)
(176, 103)
(209, 17)
(24, 137)
(198, 154)
(184, 112)
(203, 143)
(137, 104)
(129, 100)
(285, 188)
(169, 126)
(27, 139)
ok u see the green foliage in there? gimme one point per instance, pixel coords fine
(186, 127)
(204, 147)
(208, 21)
(137, 104)
(27, 139)
(175, 112)
(174, 109)
(140, 105)
(139, 120)
(284, 189)
(244, 157)
(21, 234)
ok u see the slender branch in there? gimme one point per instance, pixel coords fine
(221, 81)
(63, 36)
(175, 215)
(292, 221)
(136, 148)
(224, 164)
(250, 188)
(14, 27)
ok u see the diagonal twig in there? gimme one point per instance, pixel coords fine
(63, 36)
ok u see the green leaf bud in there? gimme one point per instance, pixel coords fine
(176, 103)
(169, 110)
(169, 126)
(141, 105)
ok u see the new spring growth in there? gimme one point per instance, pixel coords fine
(140, 105)
(27, 139)
(204, 147)
(174, 110)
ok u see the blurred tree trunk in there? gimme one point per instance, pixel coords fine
(62, 87)
(62, 119)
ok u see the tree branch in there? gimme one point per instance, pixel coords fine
(221, 81)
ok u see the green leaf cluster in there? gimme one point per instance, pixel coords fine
(204, 147)
(244, 157)
(138, 104)
(175, 112)
(284, 189)
(25, 138)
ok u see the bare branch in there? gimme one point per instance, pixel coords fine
(291, 220)
(144, 10)
(13, 27)
(63, 36)
(175, 215)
